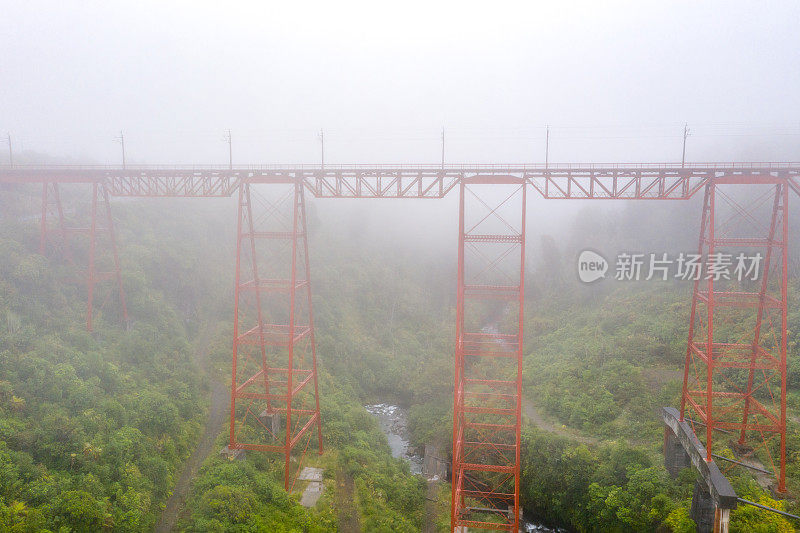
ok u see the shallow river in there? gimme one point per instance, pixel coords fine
(393, 420)
(394, 424)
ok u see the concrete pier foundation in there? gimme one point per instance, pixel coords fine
(703, 510)
(713, 496)
(434, 466)
(232, 455)
(675, 456)
(271, 421)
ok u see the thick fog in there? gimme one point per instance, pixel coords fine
(616, 81)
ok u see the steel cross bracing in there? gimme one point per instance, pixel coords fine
(735, 372)
(274, 394)
(88, 239)
(487, 396)
(598, 181)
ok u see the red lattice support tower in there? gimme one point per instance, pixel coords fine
(735, 373)
(274, 393)
(488, 355)
(89, 240)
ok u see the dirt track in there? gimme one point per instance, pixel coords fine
(347, 510)
(532, 414)
(217, 415)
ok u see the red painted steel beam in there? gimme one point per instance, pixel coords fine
(589, 181)
(605, 181)
(280, 347)
(487, 425)
(101, 237)
(714, 358)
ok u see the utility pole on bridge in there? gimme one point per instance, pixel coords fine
(230, 149)
(685, 134)
(322, 148)
(121, 139)
(442, 147)
(10, 152)
(547, 147)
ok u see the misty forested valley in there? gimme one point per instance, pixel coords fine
(357, 266)
(95, 429)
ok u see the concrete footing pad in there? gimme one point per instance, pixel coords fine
(314, 488)
(232, 455)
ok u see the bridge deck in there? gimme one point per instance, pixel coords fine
(609, 181)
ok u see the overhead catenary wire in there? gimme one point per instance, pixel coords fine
(455, 134)
(568, 138)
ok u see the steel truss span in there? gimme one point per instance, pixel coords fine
(598, 181)
(735, 370)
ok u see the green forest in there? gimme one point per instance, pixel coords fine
(95, 428)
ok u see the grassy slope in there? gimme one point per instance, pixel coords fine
(603, 363)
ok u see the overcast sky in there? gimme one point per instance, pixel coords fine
(616, 80)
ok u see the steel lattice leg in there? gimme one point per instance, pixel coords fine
(101, 224)
(487, 397)
(274, 361)
(737, 328)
